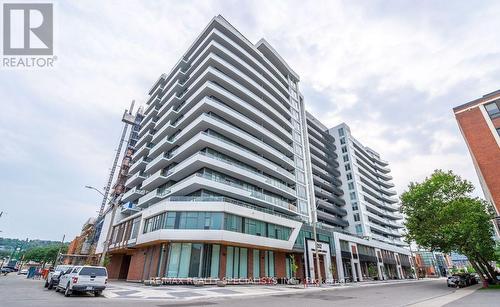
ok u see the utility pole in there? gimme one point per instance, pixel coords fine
(59, 252)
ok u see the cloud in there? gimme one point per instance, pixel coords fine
(392, 70)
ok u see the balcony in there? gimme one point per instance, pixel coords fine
(129, 208)
(138, 165)
(133, 194)
(153, 197)
(135, 179)
(385, 230)
(142, 151)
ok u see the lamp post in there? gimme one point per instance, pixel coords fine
(315, 222)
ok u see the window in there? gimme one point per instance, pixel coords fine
(359, 229)
(356, 217)
(344, 149)
(232, 223)
(256, 263)
(345, 158)
(351, 185)
(498, 131)
(349, 176)
(342, 141)
(347, 167)
(301, 191)
(352, 195)
(296, 136)
(493, 109)
(300, 176)
(297, 148)
(295, 114)
(354, 206)
(296, 124)
(299, 162)
(236, 262)
(303, 207)
(341, 132)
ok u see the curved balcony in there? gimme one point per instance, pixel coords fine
(384, 221)
(331, 219)
(330, 207)
(138, 165)
(133, 194)
(385, 230)
(206, 121)
(135, 179)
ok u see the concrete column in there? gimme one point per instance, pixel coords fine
(354, 272)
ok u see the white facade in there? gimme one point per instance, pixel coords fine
(222, 132)
(368, 189)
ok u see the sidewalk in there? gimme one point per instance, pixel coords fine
(127, 290)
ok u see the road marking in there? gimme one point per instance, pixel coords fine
(447, 298)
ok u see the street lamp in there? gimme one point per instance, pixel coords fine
(315, 224)
(95, 189)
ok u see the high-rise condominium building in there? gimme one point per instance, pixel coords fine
(228, 174)
(373, 205)
(479, 122)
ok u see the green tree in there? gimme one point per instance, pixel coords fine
(443, 216)
(44, 254)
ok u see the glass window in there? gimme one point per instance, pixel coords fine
(256, 263)
(303, 207)
(352, 195)
(341, 131)
(345, 158)
(295, 114)
(349, 176)
(214, 267)
(300, 176)
(354, 206)
(232, 223)
(492, 109)
(301, 191)
(359, 229)
(342, 141)
(296, 136)
(299, 162)
(356, 217)
(351, 185)
(297, 148)
(347, 167)
(344, 149)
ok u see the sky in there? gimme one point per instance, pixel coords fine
(392, 70)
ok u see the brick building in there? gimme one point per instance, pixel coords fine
(479, 122)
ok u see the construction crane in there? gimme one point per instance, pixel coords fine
(127, 119)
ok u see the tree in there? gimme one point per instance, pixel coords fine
(443, 216)
(44, 254)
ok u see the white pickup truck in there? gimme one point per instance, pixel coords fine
(83, 279)
(53, 277)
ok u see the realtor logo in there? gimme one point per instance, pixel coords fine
(28, 29)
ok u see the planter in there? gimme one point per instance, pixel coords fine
(221, 283)
(198, 282)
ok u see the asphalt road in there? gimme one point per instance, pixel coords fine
(18, 291)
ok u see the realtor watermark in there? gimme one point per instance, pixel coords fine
(28, 35)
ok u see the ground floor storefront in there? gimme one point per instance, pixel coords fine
(200, 260)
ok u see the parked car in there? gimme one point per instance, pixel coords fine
(23, 272)
(461, 280)
(7, 270)
(83, 279)
(53, 276)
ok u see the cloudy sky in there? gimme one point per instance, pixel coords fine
(391, 69)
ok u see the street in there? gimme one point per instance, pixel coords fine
(16, 290)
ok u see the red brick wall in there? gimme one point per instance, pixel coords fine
(114, 266)
(222, 261)
(250, 263)
(484, 148)
(280, 264)
(136, 268)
